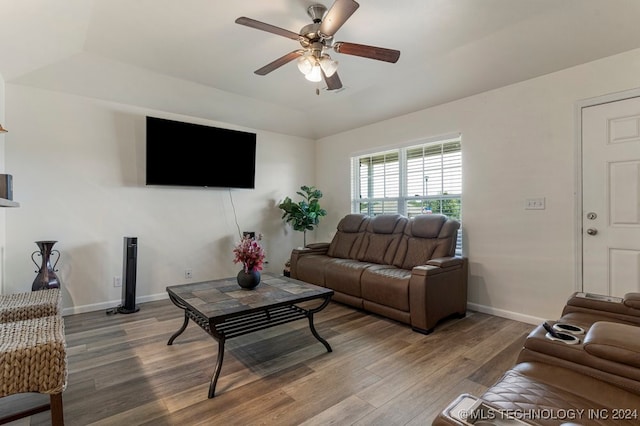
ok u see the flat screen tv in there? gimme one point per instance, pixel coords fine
(187, 154)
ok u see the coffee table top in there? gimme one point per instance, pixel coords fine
(224, 298)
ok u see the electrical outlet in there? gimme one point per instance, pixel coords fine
(534, 204)
(188, 273)
(117, 281)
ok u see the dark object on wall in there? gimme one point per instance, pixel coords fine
(6, 187)
(187, 154)
(250, 234)
(46, 277)
(129, 276)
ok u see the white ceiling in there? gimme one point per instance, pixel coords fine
(450, 49)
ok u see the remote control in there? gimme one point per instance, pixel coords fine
(553, 333)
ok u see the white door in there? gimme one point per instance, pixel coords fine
(611, 197)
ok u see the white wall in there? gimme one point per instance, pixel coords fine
(78, 167)
(78, 174)
(518, 142)
(3, 241)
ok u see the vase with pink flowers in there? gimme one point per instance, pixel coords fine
(251, 254)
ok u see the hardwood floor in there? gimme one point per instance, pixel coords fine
(380, 372)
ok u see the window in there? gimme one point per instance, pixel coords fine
(425, 178)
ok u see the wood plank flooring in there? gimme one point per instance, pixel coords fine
(380, 372)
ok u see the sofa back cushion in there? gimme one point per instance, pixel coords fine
(347, 240)
(381, 238)
(426, 237)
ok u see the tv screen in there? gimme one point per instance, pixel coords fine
(187, 154)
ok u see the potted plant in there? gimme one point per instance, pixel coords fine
(305, 214)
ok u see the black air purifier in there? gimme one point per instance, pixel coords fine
(129, 276)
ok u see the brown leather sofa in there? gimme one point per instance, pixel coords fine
(398, 267)
(606, 347)
(536, 393)
(592, 379)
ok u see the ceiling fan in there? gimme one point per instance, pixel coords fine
(316, 39)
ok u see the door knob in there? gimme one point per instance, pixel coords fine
(592, 231)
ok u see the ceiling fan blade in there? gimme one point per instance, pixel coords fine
(243, 20)
(333, 82)
(337, 16)
(371, 52)
(279, 62)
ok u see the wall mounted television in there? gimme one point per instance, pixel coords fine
(188, 154)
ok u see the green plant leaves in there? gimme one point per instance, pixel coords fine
(303, 215)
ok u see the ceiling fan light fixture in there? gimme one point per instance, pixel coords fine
(315, 75)
(317, 38)
(305, 64)
(329, 66)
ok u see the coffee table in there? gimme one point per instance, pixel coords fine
(224, 310)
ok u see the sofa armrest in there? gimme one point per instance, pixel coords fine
(318, 247)
(627, 308)
(296, 254)
(424, 270)
(444, 262)
(437, 292)
(632, 300)
(614, 342)
(315, 248)
(438, 265)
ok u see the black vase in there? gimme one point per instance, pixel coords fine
(46, 277)
(248, 280)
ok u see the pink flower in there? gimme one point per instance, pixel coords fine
(250, 253)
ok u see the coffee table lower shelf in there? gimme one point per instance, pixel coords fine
(228, 326)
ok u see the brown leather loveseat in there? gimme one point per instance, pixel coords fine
(592, 379)
(398, 267)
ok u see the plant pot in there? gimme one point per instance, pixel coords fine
(248, 280)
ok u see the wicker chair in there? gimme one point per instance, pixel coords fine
(32, 304)
(33, 351)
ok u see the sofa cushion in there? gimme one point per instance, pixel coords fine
(347, 240)
(387, 224)
(537, 386)
(311, 268)
(343, 275)
(426, 225)
(426, 237)
(417, 251)
(386, 286)
(381, 238)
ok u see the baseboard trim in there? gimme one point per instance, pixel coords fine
(160, 296)
(111, 305)
(505, 314)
